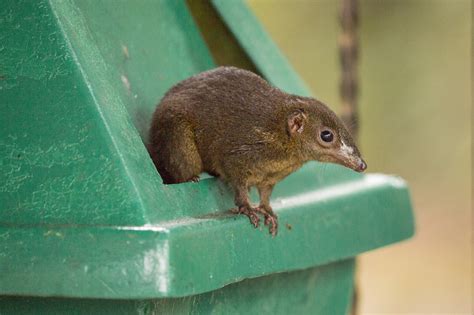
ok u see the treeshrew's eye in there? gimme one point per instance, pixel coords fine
(327, 136)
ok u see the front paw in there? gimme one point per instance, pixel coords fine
(250, 212)
(271, 219)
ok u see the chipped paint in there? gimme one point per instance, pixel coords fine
(156, 266)
(125, 82)
(125, 51)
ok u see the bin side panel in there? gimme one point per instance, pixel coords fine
(131, 53)
(321, 290)
(57, 164)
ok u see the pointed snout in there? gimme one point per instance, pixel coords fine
(347, 158)
(362, 166)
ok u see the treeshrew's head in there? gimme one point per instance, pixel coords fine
(323, 135)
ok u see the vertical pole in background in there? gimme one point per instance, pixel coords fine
(348, 50)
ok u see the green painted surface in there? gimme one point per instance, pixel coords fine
(198, 254)
(83, 211)
(222, 44)
(321, 290)
(54, 152)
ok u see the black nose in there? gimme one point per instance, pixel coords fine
(362, 166)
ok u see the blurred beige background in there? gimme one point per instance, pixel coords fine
(415, 110)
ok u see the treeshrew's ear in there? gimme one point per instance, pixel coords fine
(296, 122)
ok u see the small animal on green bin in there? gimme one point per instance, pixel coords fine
(232, 124)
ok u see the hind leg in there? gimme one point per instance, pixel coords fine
(175, 153)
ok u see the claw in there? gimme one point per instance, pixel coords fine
(254, 219)
(271, 220)
(251, 213)
(194, 179)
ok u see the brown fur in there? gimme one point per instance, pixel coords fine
(232, 124)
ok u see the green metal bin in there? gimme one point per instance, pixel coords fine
(87, 227)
